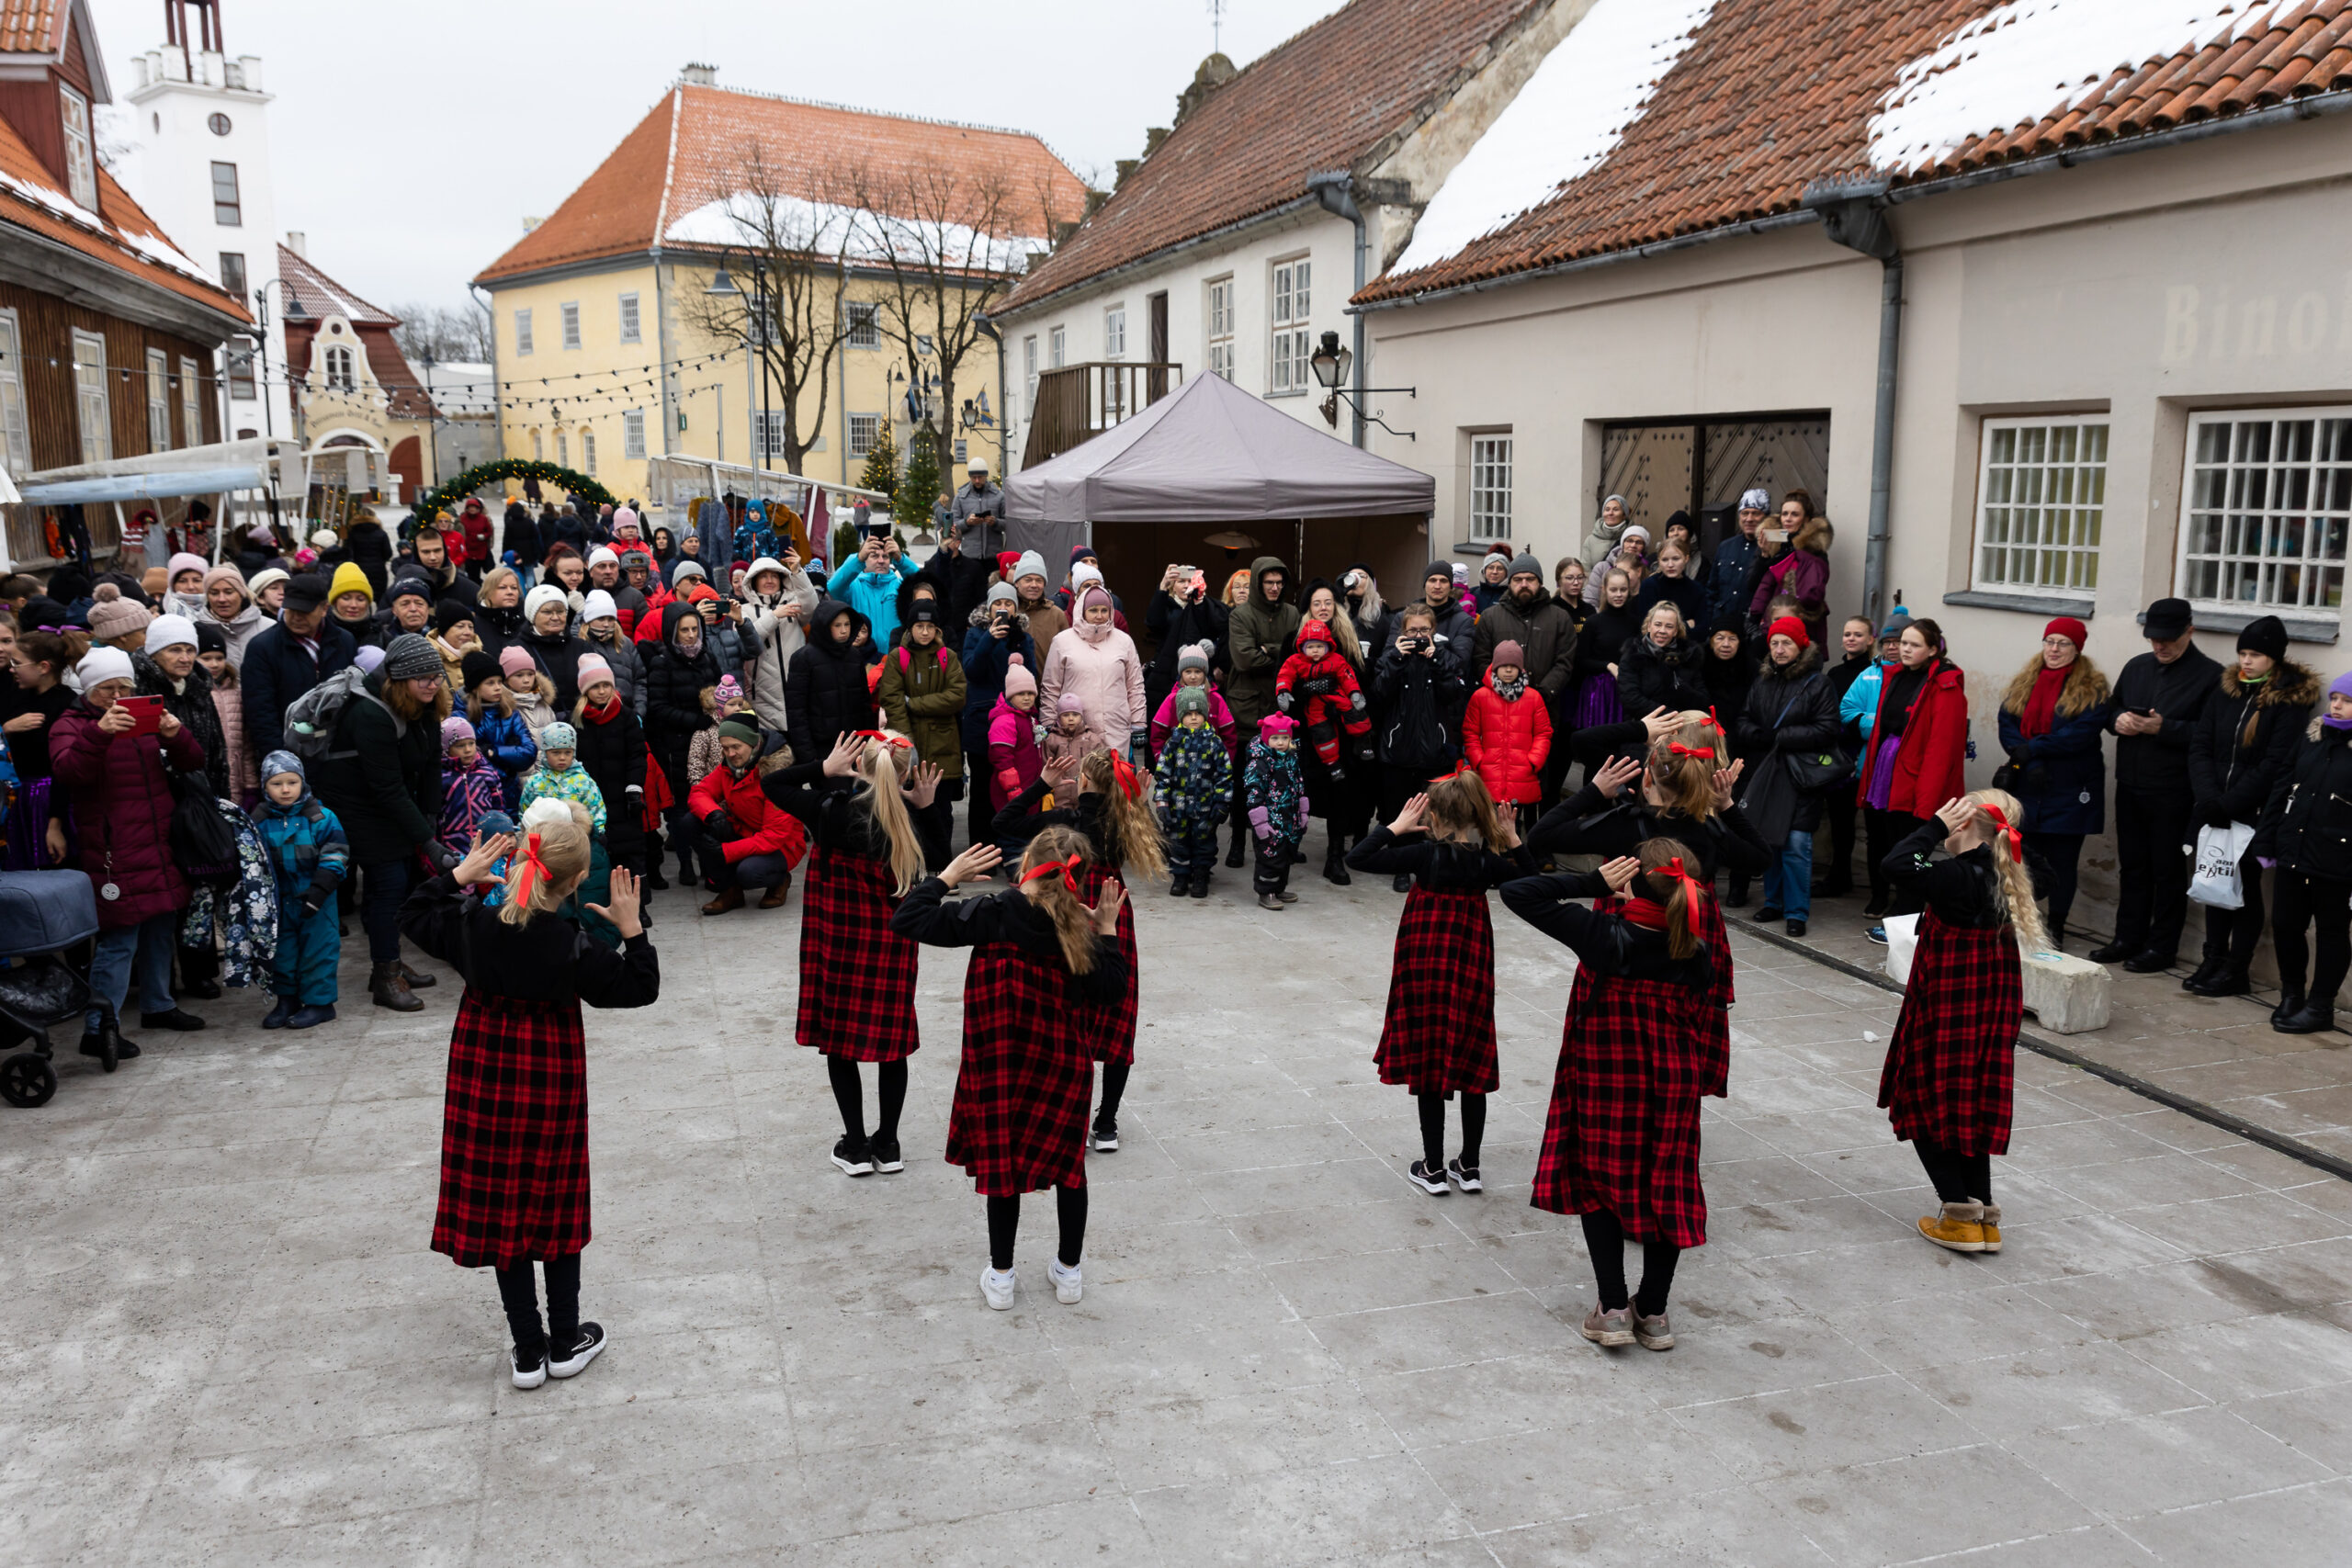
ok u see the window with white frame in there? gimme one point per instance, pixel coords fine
(865, 323)
(159, 401)
(1220, 317)
(340, 374)
(1115, 332)
(1289, 304)
(241, 369)
(1490, 462)
(96, 414)
(2040, 500)
(2267, 508)
(571, 312)
(16, 425)
(191, 403)
(633, 433)
(630, 331)
(864, 430)
(539, 452)
(587, 451)
(768, 431)
(963, 451)
(1029, 373)
(228, 198)
(522, 331)
(563, 449)
(81, 160)
(1055, 341)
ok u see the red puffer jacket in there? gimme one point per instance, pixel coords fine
(767, 828)
(122, 810)
(1506, 743)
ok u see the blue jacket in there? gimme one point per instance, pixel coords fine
(1727, 580)
(276, 671)
(507, 741)
(2065, 787)
(306, 845)
(985, 662)
(1860, 705)
(874, 594)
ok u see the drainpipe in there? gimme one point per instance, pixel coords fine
(1854, 214)
(1003, 408)
(1336, 191)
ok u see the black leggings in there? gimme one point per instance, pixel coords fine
(1958, 1178)
(1474, 1129)
(1114, 1087)
(2064, 853)
(2232, 935)
(518, 1290)
(2326, 904)
(1004, 1223)
(849, 1095)
(1604, 1237)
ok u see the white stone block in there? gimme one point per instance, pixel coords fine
(2068, 994)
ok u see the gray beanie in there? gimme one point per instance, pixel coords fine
(409, 657)
(1525, 561)
(1003, 593)
(1193, 656)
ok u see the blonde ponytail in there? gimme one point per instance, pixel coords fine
(1131, 835)
(2008, 862)
(542, 871)
(1686, 777)
(887, 809)
(1050, 851)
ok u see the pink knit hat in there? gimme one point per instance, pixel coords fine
(1275, 724)
(1017, 677)
(455, 729)
(183, 562)
(516, 658)
(590, 668)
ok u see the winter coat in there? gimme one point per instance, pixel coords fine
(923, 698)
(1163, 722)
(874, 594)
(1789, 711)
(190, 702)
(1505, 741)
(122, 811)
(1045, 622)
(368, 547)
(2307, 823)
(1100, 665)
(1727, 580)
(1063, 755)
(1668, 677)
(509, 744)
(307, 849)
(558, 658)
(239, 920)
(466, 794)
(751, 824)
(826, 695)
(673, 688)
(1256, 634)
(1931, 757)
(1179, 624)
(575, 786)
(1419, 701)
(1195, 781)
(1457, 630)
(1014, 761)
(628, 668)
(2158, 764)
(2063, 789)
(1546, 636)
(986, 659)
(1602, 640)
(778, 636)
(1684, 594)
(229, 711)
(498, 626)
(732, 645)
(614, 754)
(382, 777)
(1276, 794)
(278, 669)
(475, 523)
(238, 629)
(536, 712)
(2243, 744)
(1803, 574)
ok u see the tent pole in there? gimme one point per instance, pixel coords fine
(1298, 560)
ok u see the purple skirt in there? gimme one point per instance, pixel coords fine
(1598, 703)
(27, 842)
(1882, 788)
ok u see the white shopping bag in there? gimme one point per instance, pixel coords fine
(2216, 884)
(1902, 941)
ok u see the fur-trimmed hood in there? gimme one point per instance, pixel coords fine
(2290, 682)
(981, 618)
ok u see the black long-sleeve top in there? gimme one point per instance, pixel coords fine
(1964, 890)
(1612, 946)
(1011, 916)
(548, 960)
(1588, 824)
(830, 809)
(1021, 822)
(1442, 867)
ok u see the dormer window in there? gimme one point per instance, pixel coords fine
(81, 161)
(339, 370)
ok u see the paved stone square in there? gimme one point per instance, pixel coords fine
(222, 1339)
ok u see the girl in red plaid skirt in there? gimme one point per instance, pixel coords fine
(1621, 1141)
(865, 807)
(1043, 965)
(1439, 1036)
(515, 1128)
(1950, 1067)
(1123, 841)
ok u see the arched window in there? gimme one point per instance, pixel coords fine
(339, 374)
(587, 450)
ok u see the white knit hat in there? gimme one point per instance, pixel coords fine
(540, 598)
(603, 556)
(101, 665)
(598, 606)
(165, 630)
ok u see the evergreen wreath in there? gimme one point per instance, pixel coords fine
(449, 497)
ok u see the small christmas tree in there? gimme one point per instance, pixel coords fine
(920, 488)
(881, 465)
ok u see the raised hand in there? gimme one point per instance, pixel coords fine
(1723, 781)
(842, 760)
(1412, 817)
(481, 861)
(1106, 908)
(621, 906)
(1660, 723)
(1956, 814)
(1615, 774)
(923, 784)
(1620, 872)
(970, 866)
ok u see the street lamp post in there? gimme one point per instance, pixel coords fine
(1331, 363)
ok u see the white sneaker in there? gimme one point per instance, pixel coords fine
(997, 1288)
(1067, 1287)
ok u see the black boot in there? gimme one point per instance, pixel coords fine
(2291, 1002)
(2230, 981)
(2206, 971)
(2311, 1019)
(1335, 863)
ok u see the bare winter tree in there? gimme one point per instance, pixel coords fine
(803, 242)
(442, 333)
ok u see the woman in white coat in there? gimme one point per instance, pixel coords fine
(777, 596)
(1098, 662)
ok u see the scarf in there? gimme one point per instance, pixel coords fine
(605, 715)
(1648, 913)
(2041, 707)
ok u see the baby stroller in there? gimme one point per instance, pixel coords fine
(42, 913)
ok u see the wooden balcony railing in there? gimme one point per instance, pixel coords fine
(1078, 402)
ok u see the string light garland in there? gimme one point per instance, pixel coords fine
(449, 496)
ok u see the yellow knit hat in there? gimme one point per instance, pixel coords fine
(349, 579)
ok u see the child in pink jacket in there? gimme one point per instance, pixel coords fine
(1014, 759)
(1192, 670)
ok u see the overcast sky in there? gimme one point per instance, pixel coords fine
(410, 140)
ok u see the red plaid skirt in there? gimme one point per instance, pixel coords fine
(1623, 1132)
(1951, 1068)
(857, 977)
(1025, 1084)
(1439, 1036)
(1110, 1031)
(1714, 1023)
(514, 1133)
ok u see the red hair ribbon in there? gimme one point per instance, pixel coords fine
(531, 862)
(880, 739)
(2017, 840)
(1130, 782)
(1714, 720)
(1063, 868)
(1459, 768)
(1673, 868)
(1679, 749)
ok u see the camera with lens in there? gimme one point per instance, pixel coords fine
(1421, 644)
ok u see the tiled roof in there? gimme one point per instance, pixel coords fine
(1772, 95)
(320, 296)
(692, 150)
(1318, 102)
(31, 27)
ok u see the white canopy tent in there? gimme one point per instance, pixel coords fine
(222, 469)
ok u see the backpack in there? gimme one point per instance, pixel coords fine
(313, 717)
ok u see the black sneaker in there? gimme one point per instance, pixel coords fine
(1430, 1181)
(178, 1019)
(1178, 888)
(1200, 887)
(586, 1346)
(1106, 1136)
(1766, 915)
(886, 1155)
(530, 1367)
(854, 1158)
(1464, 1175)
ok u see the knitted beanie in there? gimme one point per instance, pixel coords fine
(540, 598)
(448, 612)
(111, 618)
(477, 667)
(228, 574)
(1192, 699)
(1017, 677)
(597, 605)
(102, 664)
(164, 631)
(1508, 652)
(737, 729)
(590, 668)
(455, 729)
(411, 658)
(182, 563)
(559, 736)
(1194, 656)
(410, 587)
(514, 658)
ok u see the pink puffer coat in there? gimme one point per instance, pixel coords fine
(1102, 666)
(122, 809)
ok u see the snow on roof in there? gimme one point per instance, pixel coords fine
(153, 247)
(826, 228)
(2010, 65)
(1568, 117)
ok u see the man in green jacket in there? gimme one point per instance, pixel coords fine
(1256, 635)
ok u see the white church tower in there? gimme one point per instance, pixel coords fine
(195, 156)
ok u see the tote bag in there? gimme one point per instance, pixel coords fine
(2216, 884)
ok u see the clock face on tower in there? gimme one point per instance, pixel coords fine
(219, 124)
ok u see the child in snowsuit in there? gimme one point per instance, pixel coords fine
(309, 858)
(722, 702)
(471, 787)
(1193, 674)
(1505, 737)
(1066, 745)
(1014, 762)
(1276, 798)
(1195, 782)
(1334, 700)
(560, 776)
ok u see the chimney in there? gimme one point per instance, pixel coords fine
(299, 242)
(699, 75)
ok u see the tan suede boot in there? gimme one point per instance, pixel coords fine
(1960, 1228)
(1991, 1224)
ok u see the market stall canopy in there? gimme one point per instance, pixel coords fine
(1209, 452)
(223, 466)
